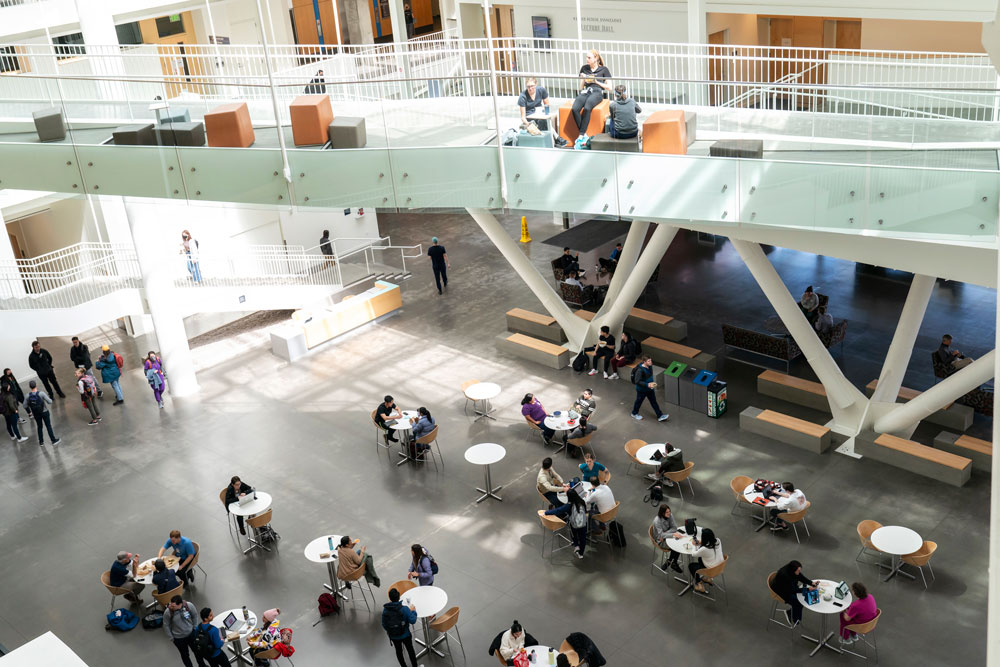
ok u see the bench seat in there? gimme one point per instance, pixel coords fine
(954, 416)
(654, 324)
(664, 352)
(785, 428)
(793, 389)
(533, 349)
(532, 324)
(915, 457)
(979, 451)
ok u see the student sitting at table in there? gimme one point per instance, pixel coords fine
(350, 558)
(237, 489)
(789, 499)
(266, 636)
(532, 97)
(123, 573)
(708, 553)
(586, 651)
(549, 483)
(665, 527)
(600, 497)
(672, 461)
(165, 579)
(582, 428)
(590, 468)
(605, 350)
(534, 412)
(511, 642)
(574, 513)
(183, 548)
(787, 583)
(586, 404)
(423, 424)
(385, 411)
(861, 610)
(628, 351)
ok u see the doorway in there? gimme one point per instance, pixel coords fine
(502, 28)
(718, 67)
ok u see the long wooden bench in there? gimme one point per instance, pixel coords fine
(793, 389)
(663, 352)
(915, 457)
(533, 349)
(953, 416)
(785, 428)
(536, 325)
(654, 324)
(980, 451)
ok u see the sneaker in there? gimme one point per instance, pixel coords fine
(579, 555)
(56, 441)
(636, 417)
(675, 567)
(22, 420)
(13, 437)
(593, 371)
(605, 375)
(92, 422)
(118, 402)
(651, 476)
(613, 376)
(662, 418)
(22, 438)
(41, 444)
(161, 405)
(99, 417)
(669, 483)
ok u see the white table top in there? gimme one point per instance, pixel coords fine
(321, 546)
(684, 545)
(645, 453)
(485, 453)
(45, 649)
(897, 540)
(561, 422)
(827, 607)
(428, 600)
(752, 495)
(483, 391)
(240, 626)
(261, 504)
(583, 488)
(404, 423)
(171, 561)
(541, 654)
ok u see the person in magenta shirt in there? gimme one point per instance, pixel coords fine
(861, 610)
(533, 410)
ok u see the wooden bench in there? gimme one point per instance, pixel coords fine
(526, 322)
(954, 416)
(980, 451)
(533, 349)
(654, 324)
(664, 352)
(915, 457)
(787, 429)
(793, 389)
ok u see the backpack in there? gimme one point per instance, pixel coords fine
(121, 620)
(328, 605)
(393, 621)
(434, 565)
(119, 362)
(577, 518)
(202, 644)
(580, 363)
(635, 373)
(153, 621)
(654, 496)
(616, 534)
(36, 404)
(267, 534)
(9, 405)
(89, 386)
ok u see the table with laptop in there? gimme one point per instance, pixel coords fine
(758, 494)
(250, 505)
(235, 625)
(404, 429)
(829, 597)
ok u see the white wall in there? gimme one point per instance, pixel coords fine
(57, 224)
(950, 36)
(631, 21)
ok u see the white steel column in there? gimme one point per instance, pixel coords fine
(904, 418)
(993, 566)
(155, 264)
(626, 262)
(98, 28)
(846, 402)
(574, 327)
(697, 33)
(901, 348)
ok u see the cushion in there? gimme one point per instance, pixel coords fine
(543, 140)
(49, 124)
(665, 132)
(178, 115)
(745, 148)
(311, 118)
(347, 132)
(228, 125)
(134, 135)
(567, 126)
(188, 134)
(163, 135)
(605, 142)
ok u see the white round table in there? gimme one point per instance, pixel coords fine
(582, 488)
(645, 453)
(683, 545)
(483, 391)
(751, 495)
(244, 628)
(404, 427)
(541, 655)
(896, 541)
(314, 551)
(484, 454)
(428, 601)
(562, 421)
(147, 579)
(824, 608)
(252, 508)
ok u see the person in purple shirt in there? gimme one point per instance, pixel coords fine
(420, 566)
(534, 412)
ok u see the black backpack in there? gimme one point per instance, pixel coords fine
(393, 621)
(153, 621)
(36, 403)
(202, 644)
(654, 496)
(580, 363)
(616, 534)
(635, 373)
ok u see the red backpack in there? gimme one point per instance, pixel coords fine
(328, 605)
(119, 362)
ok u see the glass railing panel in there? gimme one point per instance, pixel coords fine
(549, 179)
(136, 171)
(38, 166)
(456, 177)
(243, 175)
(805, 195)
(676, 186)
(339, 178)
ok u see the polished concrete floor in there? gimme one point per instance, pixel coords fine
(301, 432)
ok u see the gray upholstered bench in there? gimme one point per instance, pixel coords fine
(793, 389)
(347, 132)
(545, 327)
(605, 142)
(979, 451)
(744, 148)
(533, 349)
(915, 457)
(134, 135)
(784, 428)
(50, 124)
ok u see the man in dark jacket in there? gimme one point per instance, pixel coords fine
(40, 361)
(79, 354)
(645, 389)
(317, 85)
(586, 650)
(396, 620)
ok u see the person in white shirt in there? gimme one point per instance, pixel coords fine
(824, 323)
(573, 278)
(708, 553)
(789, 499)
(511, 642)
(600, 497)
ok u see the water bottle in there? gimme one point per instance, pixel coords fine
(552, 657)
(329, 543)
(246, 614)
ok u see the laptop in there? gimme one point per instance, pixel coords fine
(230, 620)
(245, 499)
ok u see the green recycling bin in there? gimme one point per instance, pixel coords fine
(717, 399)
(671, 389)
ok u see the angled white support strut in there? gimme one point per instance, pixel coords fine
(901, 348)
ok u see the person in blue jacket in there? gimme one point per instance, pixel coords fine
(110, 372)
(396, 620)
(218, 658)
(645, 389)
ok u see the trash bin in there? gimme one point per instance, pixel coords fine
(671, 389)
(717, 399)
(686, 389)
(701, 382)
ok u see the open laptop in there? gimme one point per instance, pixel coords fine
(246, 499)
(230, 621)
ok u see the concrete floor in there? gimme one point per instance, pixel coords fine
(302, 433)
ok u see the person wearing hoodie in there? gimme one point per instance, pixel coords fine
(111, 371)
(8, 406)
(10, 381)
(157, 379)
(623, 124)
(396, 621)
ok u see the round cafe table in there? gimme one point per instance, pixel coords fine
(751, 495)
(403, 427)
(896, 541)
(645, 453)
(242, 627)
(146, 566)
(483, 391)
(428, 601)
(314, 551)
(583, 488)
(683, 545)
(825, 608)
(541, 655)
(259, 505)
(485, 454)
(561, 422)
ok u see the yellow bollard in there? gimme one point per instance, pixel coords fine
(525, 237)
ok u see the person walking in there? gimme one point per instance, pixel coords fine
(317, 84)
(88, 395)
(326, 247)
(408, 19)
(439, 263)
(8, 406)
(180, 621)
(645, 389)
(213, 645)
(35, 403)
(14, 386)
(157, 379)
(110, 364)
(396, 621)
(189, 248)
(79, 354)
(40, 361)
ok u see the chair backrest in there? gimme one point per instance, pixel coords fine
(401, 586)
(197, 554)
(865, 530)
(633, 446)
(795, 517)
(609, 515)
(222, 498)
(581, 442)
(532, 424)
(604, 476)
(550, 522)
(260, 519)
(770, 580)
(468, 383)
(446, 621)
(373, 419)
(921, 555)
(571, 655)
(269, 654)
(739, 484)
(500, 658)
(681, 475)
(116, 590)
(164, 598)
(715, 570)
(429, 438)
(356, 574)
(656, 544)
(865, 628)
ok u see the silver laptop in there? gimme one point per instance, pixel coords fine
(246, 499)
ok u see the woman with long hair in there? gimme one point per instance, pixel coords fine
(574, 513)
(708, 554)
(420, 566)
(152, 366)
(627, 353)
(594, 80)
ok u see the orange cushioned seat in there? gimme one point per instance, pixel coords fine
(567, 126)
(229, 125)
(665, 132)
(311, 116)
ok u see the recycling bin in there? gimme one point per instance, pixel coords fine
(686, 390)
(701, 382)
(717, 399)
(671, 388)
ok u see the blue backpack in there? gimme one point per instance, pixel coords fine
(122, 620)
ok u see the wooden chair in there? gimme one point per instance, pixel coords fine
(230, 518)
(571, 656)
(865, 530)
(775, 601)
(604, 476)
(356, 577)
(466, 385)
(449, 621)
(579, 442)
(555, 526)
(709, 574)
(605, 518)
(401, 586)
(272, 654)
(795, 517)
(660, 553)
(921, 557)
(631, 447)
(163, 599)
(865, 631)
(430, 439)
(381, 435)
(114, 590)
(738, 484)
(532, 426)
(197, 557)
(680, 476)
(257, 522)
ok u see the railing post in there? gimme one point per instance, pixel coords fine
(286, 170)
(496, 108)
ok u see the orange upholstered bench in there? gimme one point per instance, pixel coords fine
(229, 125)
(598, 117)
(311, 117)
(665, 132)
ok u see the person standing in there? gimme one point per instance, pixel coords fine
(326, 247)
(180, 621)
(79, 354)
(40, 361)
(439, 263)
(421, 566)
(10, 381)
(396, 621)
(88, 395)
(189, 248)
(157, 379)
(110, 364)
(408, 18)
(214, 656)
(645, 389)
(8, 406)
(317, 84)
(35, 403)
(574, 513)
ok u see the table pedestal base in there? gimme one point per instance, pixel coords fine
(688, 585)
(239, 653)
(334, 586)
(426, 648)
(825, 641)
(895, 568)
(489, 491)
(485, 413)
(254, 544)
